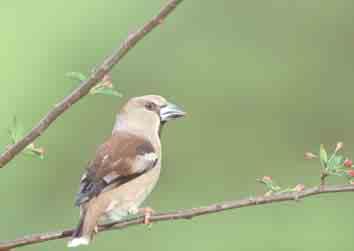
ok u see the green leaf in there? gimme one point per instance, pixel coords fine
(287, 190)
(335, 162)
(323, 156)
(270, 184)
(34, 152)
(339, 173)
(16, 131)
(106, 91)
(76, 76)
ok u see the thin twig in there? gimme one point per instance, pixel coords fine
(85, 86)
(323, 178)
(182, 214)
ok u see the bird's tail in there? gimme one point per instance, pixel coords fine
(78, 237)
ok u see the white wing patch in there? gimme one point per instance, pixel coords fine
(150, 156)
(145, 162)
(83, 176)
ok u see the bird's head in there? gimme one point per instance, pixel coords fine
(147, 113)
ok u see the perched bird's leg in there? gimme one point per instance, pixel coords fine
(147, 212)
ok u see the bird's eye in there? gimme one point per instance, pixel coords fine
(150, 106)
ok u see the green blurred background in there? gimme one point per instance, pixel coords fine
(262, 82)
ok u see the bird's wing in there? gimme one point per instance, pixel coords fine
(121, 158)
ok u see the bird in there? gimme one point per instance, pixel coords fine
(126, 166)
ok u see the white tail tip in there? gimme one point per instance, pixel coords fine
(78, 241)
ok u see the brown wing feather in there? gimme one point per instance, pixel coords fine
(116, 163)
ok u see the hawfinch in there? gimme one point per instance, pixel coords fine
(126, 166)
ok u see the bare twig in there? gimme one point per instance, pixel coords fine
(183, 214)
(85, 86)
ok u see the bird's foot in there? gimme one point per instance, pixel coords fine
(147, 211)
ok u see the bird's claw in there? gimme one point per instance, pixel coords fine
(147, 211)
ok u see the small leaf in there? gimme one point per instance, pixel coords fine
(76, 76)
(105, 91)
(335, 162)
(16, 131)
(105, 87)
(270, 184)
(339, 173)
(37, 152)
(323, 156)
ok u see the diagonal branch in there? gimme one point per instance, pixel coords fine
(183, 214)
(85, 86)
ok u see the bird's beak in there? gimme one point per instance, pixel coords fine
(171, 111)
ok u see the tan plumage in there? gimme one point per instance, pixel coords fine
(126, 167)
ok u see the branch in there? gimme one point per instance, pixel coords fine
(85, 86)
(183, 214)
